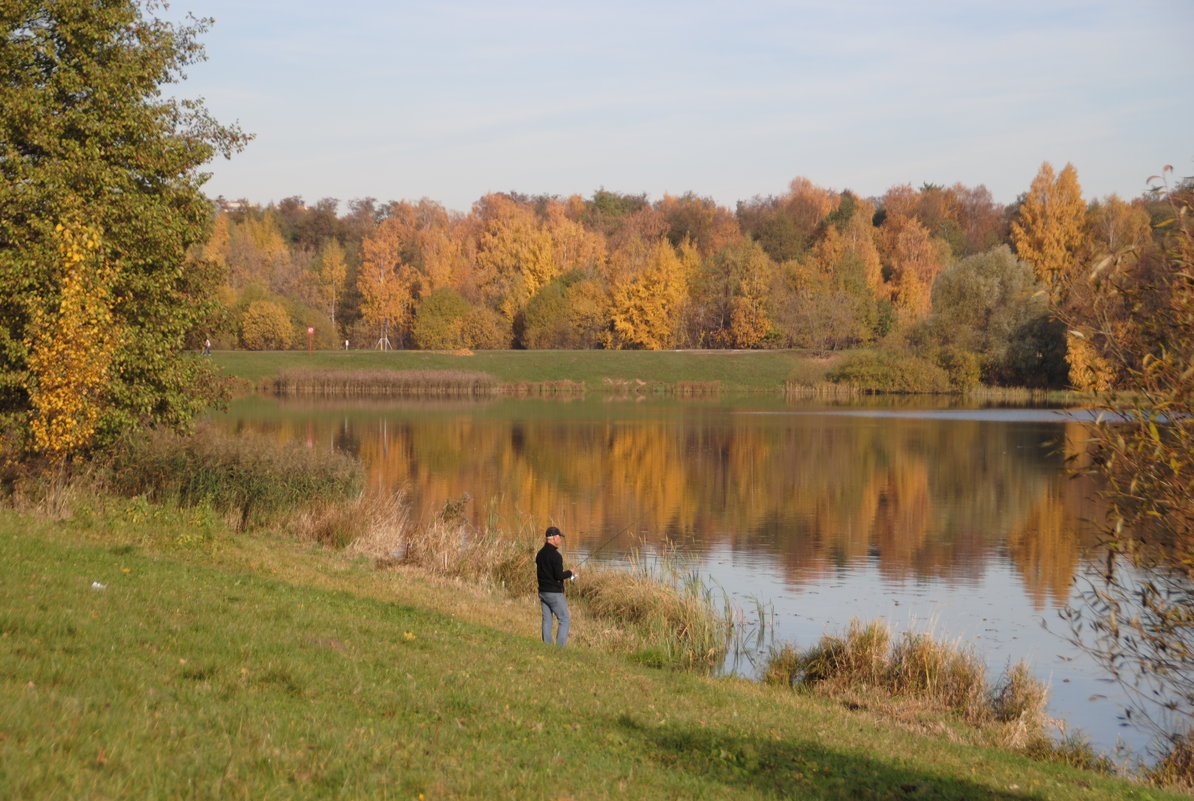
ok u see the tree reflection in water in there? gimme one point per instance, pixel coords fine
(959, 520)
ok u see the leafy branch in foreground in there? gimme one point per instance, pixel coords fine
(1138, 615)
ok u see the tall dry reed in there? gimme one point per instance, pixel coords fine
(821, 389)
(675, 617)
(945, 673)
(866, 658)
(1175, 768)
(402, 383)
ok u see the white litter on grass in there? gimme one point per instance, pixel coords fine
(95, 585)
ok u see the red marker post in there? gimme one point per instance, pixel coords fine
(310, 339)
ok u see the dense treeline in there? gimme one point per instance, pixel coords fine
(944, 272)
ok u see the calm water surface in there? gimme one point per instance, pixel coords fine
(958, 521)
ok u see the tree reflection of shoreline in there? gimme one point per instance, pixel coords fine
(921, 498)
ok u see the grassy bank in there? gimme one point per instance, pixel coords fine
(599, 370)
(141, 656)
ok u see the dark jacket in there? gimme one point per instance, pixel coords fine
(550, 566)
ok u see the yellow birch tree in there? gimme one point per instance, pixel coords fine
(71, 345)
(645, 308)
(516, 255)
(333, 269)
(385, 281)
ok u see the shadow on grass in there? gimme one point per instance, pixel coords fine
(798, 769)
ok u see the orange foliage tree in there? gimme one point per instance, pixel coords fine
(913, 261)
(1049, 233)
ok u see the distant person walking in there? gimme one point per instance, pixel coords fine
(207, 347)
(549, 564)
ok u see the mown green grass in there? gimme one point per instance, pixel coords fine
(245, 667)
(736, 371)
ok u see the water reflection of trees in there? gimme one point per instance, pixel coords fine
(921, 498)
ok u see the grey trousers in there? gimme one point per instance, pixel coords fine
(553, 603)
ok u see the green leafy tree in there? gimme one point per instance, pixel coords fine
(982, 303)
(568, 313)
(439, 321)
(87, 134)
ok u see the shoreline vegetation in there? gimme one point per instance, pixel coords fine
(157, 604)
(568, 374)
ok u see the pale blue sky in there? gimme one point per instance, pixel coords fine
(449, 100)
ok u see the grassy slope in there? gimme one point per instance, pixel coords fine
(265, 669)
(736, 370)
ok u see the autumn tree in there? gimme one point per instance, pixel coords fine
(700, 221)
(1049, 233)
(785, 226)
(386, 279)
(646, 299)
(333, 269)
(257, 253)
(981, 220)
(835, 296)
(515, 254)
(90, 141)
(574, 247)
(732, 295)
(911, 259)
(442, 258)
(1048, 229)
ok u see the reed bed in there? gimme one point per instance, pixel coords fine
(695, 389)
(821, 389)
(250, 479)
(1012, 394)
(867, 659)
(543, 389)
(386, 383)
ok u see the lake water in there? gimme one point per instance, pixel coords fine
(954, 520)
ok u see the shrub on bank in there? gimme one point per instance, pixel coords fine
(889, 371)
(250, 479)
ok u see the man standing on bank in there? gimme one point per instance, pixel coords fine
(552, 575)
